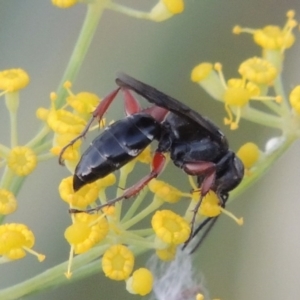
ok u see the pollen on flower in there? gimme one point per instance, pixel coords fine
(238, 94)
(8, 202)
(295, 99)
(118, 262)
(15, 240)
(22, 160)
(82, 198)
(164, 191)
(258, 70)
(170, 227)
(249, 154)
(13, 80)
(140, 283)
(64, 3)
(86, 231)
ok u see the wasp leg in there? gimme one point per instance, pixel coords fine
(208, 170)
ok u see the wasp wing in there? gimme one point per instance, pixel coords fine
(158, 98)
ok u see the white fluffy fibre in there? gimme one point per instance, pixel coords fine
(176, 280)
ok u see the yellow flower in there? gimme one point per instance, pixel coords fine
(205, 75)
(174, 6)
(83, 103)
(249, 154)
(82, 198)
(8, 202)
(164, 191)
(165, 9)
(210, 205)
(170, 227)
(86, 231)
(22, 160)
(62, 121)
(118, 262)
(238, 94)
(71, 153)
(15, 240)
(273, 37)
(64, 3)
(140, 282)
(258, 71)
(13, 80)
(295, 99)
(201, 71)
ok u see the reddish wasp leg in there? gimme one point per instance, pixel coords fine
(132, 106)
(158, 164)
(97, 113)
(207, 169)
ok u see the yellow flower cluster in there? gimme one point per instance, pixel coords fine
(258, 74)
(19, 161)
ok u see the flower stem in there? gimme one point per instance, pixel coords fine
(84, 265)
(85, 38)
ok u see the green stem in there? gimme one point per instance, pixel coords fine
(12, 104)
(84, 265)
(279, 90)
(261, 118)
(135, 205)
(85, 38)
(45, 156)
(128, 11)
(38, 137)
(155, 204)
(273, 107)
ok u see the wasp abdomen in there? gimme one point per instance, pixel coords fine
(114, 148)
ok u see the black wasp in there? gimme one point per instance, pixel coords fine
(195, 144)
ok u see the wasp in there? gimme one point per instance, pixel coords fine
(195, 144)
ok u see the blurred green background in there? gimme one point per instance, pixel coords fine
(259, 260)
